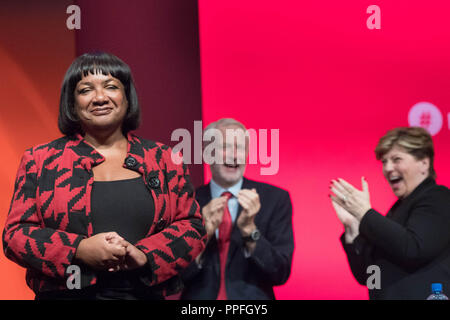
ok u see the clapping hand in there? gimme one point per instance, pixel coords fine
(354, 201)
(249, 200)
(351, 224)
(212, 214)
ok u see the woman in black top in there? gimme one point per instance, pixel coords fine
(102, 199)
(125, 207)
(411, 244)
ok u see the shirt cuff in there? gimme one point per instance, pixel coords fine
(199, 264)
(356, 246)
(247, 254)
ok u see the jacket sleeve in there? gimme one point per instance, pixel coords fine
(423, 238)
(191, 271)
(176, 246)
(358, 256)
(273, 252)
(26, 241)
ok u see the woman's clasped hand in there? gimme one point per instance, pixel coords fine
(109, 251)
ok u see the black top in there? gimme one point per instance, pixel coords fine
(411, 245)
(126, 207)
(123, 206)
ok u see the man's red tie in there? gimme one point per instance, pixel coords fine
(224, 243)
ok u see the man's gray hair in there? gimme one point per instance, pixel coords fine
(216, 125)
(225, 122)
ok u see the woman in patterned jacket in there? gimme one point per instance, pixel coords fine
(101, 213)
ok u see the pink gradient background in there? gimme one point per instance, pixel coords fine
(333, 88)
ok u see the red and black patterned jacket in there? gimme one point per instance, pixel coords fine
(50, 213)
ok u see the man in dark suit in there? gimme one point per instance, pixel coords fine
(249, 226)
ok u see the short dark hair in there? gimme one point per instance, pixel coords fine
(97, 62)
(415, 140)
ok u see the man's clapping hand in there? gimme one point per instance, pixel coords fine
(212, 215)
(249, 200)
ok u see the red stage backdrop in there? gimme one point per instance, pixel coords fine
(35, 50)
(313, 70)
